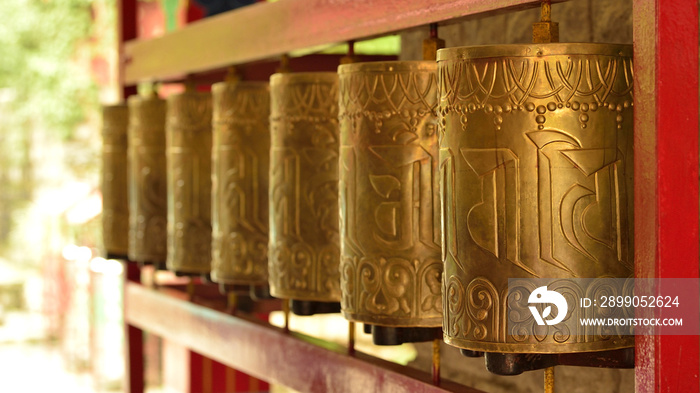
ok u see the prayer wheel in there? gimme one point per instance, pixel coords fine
(304, 242)
(536, 170)
(240, 170)
(188, 152)
(115, 201)
(390, 215)
(147, 180)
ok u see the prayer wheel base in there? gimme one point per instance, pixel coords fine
(179, 273)
(471, 354)
(517, 363)
(238, 289)
(260, 292)
(389, 335)
(156, 265)
(308, 307)
(115, 255)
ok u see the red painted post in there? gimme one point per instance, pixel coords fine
(210, 376)
(127, 30)
(135, 382)
(666, 177)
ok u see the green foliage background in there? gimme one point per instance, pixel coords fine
(44, 89)
(38, 40)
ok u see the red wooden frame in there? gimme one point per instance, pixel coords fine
(300, 362)
(135, 378)
(666, 138)
(264, 30)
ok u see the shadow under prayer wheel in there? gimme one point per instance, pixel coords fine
(536, 171)
(115, 201)
(188, 152)
(390, 219)
(304, 242)
(241, 163)
(147, 180)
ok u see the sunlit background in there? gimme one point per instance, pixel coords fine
(60, 312)
(61, 327)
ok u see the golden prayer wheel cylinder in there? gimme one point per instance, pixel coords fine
(188, 152)
(115, 201)
(241, 163)
(147, 180)
(304, 242)
(536, 172)
(390, 219)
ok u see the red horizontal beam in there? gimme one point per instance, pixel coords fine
(265, 30)
(270, 354)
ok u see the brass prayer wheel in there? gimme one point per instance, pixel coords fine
(188, 152)
(304, 243)
(147, 180)
(241, 163)
(390, 219)
(536, 171)
(115, 202)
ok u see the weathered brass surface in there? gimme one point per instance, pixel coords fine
(304, 241)
(188, 152)
(241, 158)
(536, 174)
(390, 218)
(115, 201)
(147, 180)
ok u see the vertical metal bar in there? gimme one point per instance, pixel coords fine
(232, 303)
(549, 380)
(666, 176)
(436, 362)
(351, 338)
(190, 289)
(134, 340)
(285, 310)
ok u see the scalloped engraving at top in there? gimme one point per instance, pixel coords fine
(390, 263)
(536, 166)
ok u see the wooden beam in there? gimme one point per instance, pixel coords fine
(302, 363)
(265, 30)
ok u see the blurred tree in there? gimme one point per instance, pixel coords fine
(42, 88)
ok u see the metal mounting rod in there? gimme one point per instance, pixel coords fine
(549, 380)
